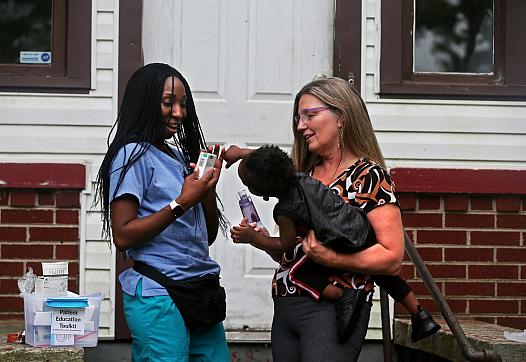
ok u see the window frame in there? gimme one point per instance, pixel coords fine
(70, 70)
(397, 79)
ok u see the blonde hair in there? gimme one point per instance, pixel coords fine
(357, 131)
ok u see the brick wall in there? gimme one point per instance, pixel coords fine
(473, 245)
(39, 221)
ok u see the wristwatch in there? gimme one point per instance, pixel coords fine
(177, 210)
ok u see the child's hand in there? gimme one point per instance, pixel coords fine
(234, 154)
(244, 233)
(263, 231)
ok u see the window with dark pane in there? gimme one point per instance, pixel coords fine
(453, 36)
(25, 26)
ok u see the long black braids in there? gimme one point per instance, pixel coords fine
(140, 122)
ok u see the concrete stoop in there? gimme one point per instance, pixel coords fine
(481, 336)
(17, 352)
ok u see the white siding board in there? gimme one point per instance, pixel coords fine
(104, 26)
(447, 146)
(97, 281)
(98, 255)
(448, 118)
(93, 224)
(105, 5)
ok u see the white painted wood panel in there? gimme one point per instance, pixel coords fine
(77, 140)
(98, 255)
(53, 110)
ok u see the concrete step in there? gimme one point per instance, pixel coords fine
(17, 352)
(482, 336)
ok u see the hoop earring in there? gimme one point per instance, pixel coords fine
(340, 143)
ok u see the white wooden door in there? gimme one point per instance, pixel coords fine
(244, 60)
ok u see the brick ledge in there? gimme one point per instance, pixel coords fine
(43, 176)
(443, 180)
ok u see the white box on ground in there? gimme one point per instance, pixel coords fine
(38, 308)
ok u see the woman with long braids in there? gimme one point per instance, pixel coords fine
(164, 216)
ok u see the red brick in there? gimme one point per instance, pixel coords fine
(470, 289)
(493, 306)
(447, 271)
(27, 216)
(511, 255)
(456, 202)
(495, 238)
(73, 269)
(411, 233)
(422, 220)
(9, 286)
(408, 201)
(36, 266)
(8, 233)
(511, 221)
(429, 202)
(508, 203)
(4, 197)
(481, 203)
(25, 251)
(67, 252)
(73, 285)
(12, 269)
(68, 199)
(493, 271)
(511, 289)
(46, 199)
(406, 258)
(407, 271)
(430, 254)
(523, 273)
(11, 316)
(489, 320)
(441, 237)
(53, 234)
(22, 198)
(512, 322)
(470, 220)
(11, 304)
(67, 217)
(419, 288)
(468, 254)
(459, 306)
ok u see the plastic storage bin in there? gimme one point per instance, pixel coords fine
(37, 315)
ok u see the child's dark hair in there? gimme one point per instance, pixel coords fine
(268, 171)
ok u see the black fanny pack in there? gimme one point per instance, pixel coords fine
(201, 302)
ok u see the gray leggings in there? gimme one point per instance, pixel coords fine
(305, 330)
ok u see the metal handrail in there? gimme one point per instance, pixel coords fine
(468, 351)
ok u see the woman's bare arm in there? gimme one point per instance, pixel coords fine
(130, 231)
(385, 257)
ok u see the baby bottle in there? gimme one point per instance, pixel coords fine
(248, 209)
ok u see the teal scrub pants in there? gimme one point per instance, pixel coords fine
(160, 334)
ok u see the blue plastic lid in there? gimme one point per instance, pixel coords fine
(72, 302)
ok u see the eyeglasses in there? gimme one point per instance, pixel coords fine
(305, 114)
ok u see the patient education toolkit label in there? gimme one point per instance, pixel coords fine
(67, 321)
